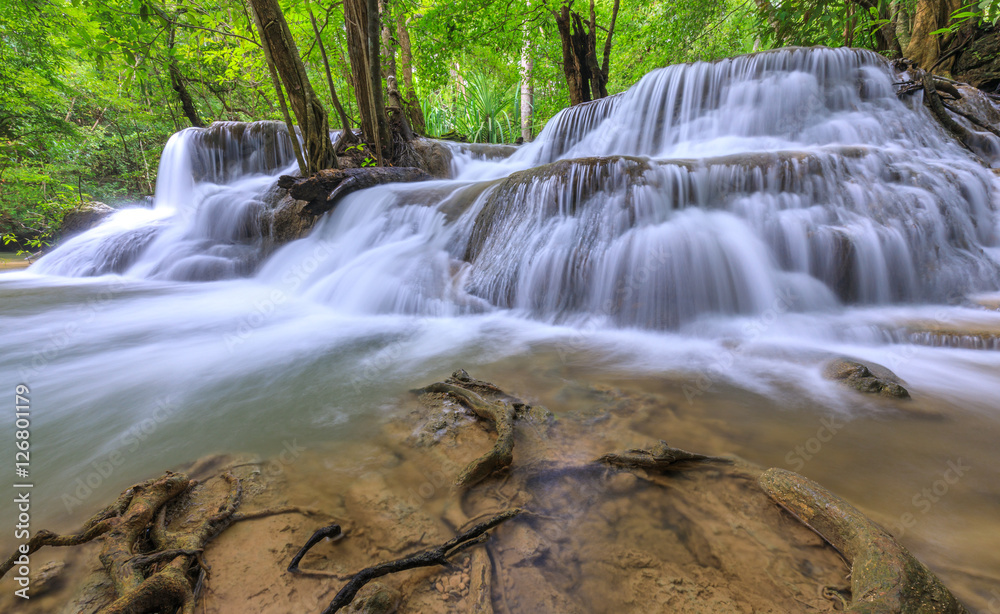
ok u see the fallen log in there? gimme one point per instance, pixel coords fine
(322, 190)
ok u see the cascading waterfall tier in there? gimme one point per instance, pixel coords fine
(206, 220)
(791, 179)
(794, 178)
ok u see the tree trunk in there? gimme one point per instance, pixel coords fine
(177, 83)
(410, 100)
(527, 88)
(308, 110)
(930, 15)
(346, 136)
(901, 21)
(276, 83)
(576, 82)
(586, 78)
(398, 123)
(361, 19)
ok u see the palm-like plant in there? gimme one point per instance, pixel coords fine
(485, 115)
(482, 113)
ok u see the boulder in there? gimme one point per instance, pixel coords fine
(83, 218)
(871, 378)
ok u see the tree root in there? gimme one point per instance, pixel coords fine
(332, 532)
(933, 100)
(501, 413)
(884, 576)
(660, 457)
(426, 558)
(148, 560)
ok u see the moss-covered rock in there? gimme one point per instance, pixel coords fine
(869, 378)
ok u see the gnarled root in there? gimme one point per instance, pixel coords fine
(885, 578)
(501, 413)
(157, 580)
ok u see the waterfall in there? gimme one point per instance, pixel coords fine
(713, 237)
(205, 222)
(711, 188)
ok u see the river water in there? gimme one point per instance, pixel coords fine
(712, 237)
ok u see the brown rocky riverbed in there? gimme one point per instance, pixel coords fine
(694, 537)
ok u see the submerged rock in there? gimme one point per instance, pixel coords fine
(870, 378)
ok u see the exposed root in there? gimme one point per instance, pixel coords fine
(659, 458)
(149, 560)
(123, 521)
(933, 100)
(501, 413)
(331, 532)
(426, 558)
(885, 577)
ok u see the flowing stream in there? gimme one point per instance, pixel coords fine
(715, 234)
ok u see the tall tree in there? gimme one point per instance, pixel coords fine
(309, 111)
(362, 22)
(410, 100)
(178, 84)
(926, 46)
(527, 86)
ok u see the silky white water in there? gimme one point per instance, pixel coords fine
(726, 227)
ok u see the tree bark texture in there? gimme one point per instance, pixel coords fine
(308, 110)
(361, 20)
(410, 100)
(586, 78)
(930, 15)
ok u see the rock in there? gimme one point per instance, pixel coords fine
(285, 221)
(435, 157)
(83, 218)
(47, 578)
(979, 62)
(981, 116)
(375, 598)
(489, 151)
(870, 378)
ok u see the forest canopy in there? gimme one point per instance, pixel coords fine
(90, 90)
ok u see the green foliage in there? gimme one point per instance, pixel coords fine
(983, 12)
(483, 111)
(89, 88)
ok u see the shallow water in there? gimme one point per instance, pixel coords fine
(717, 287)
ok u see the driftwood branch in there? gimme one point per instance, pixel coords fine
(426, 558)
(885, 577)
